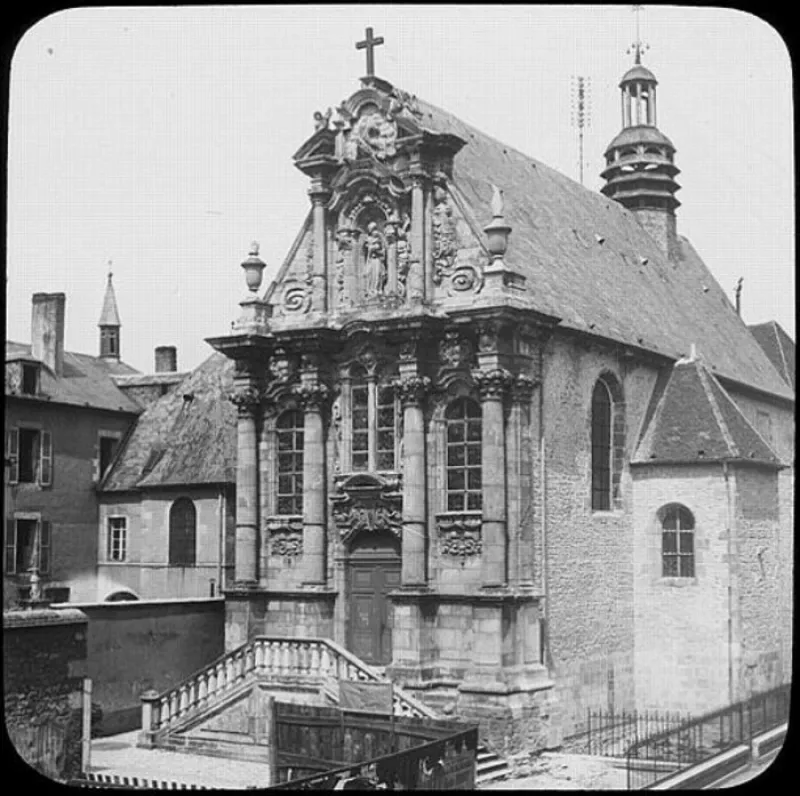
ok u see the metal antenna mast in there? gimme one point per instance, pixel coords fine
(581, 116)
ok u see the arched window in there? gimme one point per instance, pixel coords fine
(373, 412)
(385, 427)
(289, 428)
(463, 417)
(677, 542)
(182, 533)
(608, 443)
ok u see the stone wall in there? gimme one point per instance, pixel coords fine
(760, 607)
(137, 646)
(44, 663)
(682, 646)
(588, 571)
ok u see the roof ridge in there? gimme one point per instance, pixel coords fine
(703, 374)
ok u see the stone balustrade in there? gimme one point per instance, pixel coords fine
(306, 661)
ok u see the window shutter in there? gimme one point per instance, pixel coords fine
(12, 451)
(44, 547)
(46, 471)
(11, 545)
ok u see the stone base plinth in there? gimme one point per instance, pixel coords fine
(255, 611)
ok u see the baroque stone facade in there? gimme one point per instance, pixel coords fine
(441, 462)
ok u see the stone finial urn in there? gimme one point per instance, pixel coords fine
(253, 268)
(497, 231)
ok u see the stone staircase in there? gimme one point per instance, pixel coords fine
(298, 669)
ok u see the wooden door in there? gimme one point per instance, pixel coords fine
(373, 574)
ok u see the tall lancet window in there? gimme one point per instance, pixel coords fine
(385, 427)
(289, 429)
(601, 447)
(464, 493)
(359, 404)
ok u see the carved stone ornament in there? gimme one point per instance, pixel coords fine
(464, 279)
(492, 383)
(412, 389)
(459, 535)
(281, 366)
(367, 502)
(455, 351)
(312, 396)
(245, 398)
(285, 536)
(522, 388)
(405, 101)
(296, 297)
(322, 120)
(376, 133)
(444, 235)
(344, 248)
(488, 336)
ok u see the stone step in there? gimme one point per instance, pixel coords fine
(489, 767)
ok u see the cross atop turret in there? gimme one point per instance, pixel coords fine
(638, 47)
(369, 44)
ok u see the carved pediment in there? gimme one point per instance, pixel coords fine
(367, 502)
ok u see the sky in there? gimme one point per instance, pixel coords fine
(161, 139)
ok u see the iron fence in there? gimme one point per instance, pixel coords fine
(662, 754)
(609, 733)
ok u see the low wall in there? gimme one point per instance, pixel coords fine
(44, 663)
(154, 644)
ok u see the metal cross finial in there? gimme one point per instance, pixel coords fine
(369, 44)
(638, 47)
(110, 274)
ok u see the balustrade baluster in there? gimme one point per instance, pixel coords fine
(202, 689)
(163, 712)
(183, 700)
(325, 660)
(173, 705)
(221, 680)
(294, 662)
(284, 658)
(211, 682)
(316, 668)
(258, 647)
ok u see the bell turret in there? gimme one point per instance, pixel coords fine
(640, 162)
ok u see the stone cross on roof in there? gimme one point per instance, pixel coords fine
(369, 44)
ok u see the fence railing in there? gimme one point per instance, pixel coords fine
(317, 661)
(609, 733)
(658, 756)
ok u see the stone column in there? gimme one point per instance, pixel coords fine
(493, 385)
(412, 389)
(417, 235)
(319, 194)
(247, 399)
(521, 552)
(312, 396)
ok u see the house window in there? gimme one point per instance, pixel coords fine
(677, 543)
(463, 418)
(182, 533)
(108, 342)
(30, 455)
(289, 428)
(607, 442)
(27, 543)
(107, 447)
(117, 539)
(30, 379)
(374, 414)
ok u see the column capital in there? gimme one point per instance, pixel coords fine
(312, 396)
(492, 384)
(412, 389)
(522, 388)
(247, 399)
(319, 190)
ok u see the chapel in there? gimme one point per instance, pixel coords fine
(499, 436)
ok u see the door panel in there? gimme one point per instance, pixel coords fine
(370, 621)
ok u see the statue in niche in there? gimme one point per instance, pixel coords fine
(344, 244)
(374, 261)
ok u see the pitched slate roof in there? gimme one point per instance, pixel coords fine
(186, 437)
(696, 421)
(85, 381)
(582, 255)
(779, 347)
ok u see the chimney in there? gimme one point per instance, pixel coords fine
(166, 359)
(47, 330)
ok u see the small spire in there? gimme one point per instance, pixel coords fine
(110, 314)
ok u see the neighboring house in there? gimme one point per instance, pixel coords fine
(494, 432)
(166, 513)
(64, 419)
